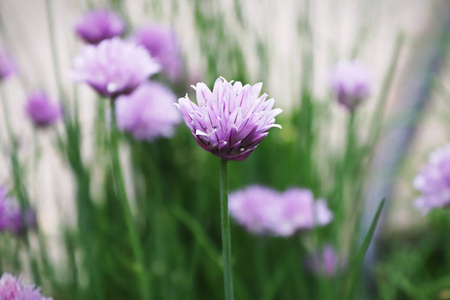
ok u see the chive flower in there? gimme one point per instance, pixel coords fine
(7, 65)
(351, 82)
(148, 113)
(231, 120)
(8, 212)
(262, 210)
(163, 45)
(12, 288)
(41, 110)
(324, 262)
(113, 67)
(10, 215)
(433, 182)
(98, 25)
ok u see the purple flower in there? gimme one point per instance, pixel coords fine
(254, 208)
(113, 67)
(10, 215)
(41, 110)
(163, 45)
(7, 65)
(351, 82)
(98, 25)
(300, 211)
(262, 210)
(149, 112)
(12, 288)
(231, 120)
(9, 210)
(434, 181)
(324, 262)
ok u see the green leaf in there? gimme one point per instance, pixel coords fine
(354, 273)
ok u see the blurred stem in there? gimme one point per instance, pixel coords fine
(345, 168)
(351, 146)
(123, 199)
(6, 115)
(353, 276)
(377, 119)
(18, 187)
(16, 257)
(32, 259)
(226, 238)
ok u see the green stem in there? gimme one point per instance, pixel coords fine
(6, 115)
(226, 238)
(378, 116)
(18, 186)
(123, 199)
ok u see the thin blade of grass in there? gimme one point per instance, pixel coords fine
(354, 273)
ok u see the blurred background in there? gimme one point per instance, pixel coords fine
(326, 30)
(289, 45)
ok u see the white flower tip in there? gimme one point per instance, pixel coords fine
(199, 132)
(111, 87)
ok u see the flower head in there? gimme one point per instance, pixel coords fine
(7, 65)
(149, 112)
(11, 217)
(8, 212)
(114, 67)
(231, 120)
(41, 110)
(12, 288)
(163, 45)
(98, 25)
(351, 82)
(434, 181)
(262, 210)
(324, 262)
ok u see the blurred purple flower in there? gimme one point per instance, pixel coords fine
(12, 288)
(231, 120)
(29, 222)
(351, 82)
(113, 67)
(254, 208)
(262, 210)
(7, 65)
(163, 45)
(434, 181)
(10, 215)
(300, 212)
(149, 112)
(98, 25)
(324, 262)
(41, 110)
(8, 212)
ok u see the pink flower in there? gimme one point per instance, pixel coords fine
(263, 210)
(433, 181)
(7, 65)
(98, 25)
(113, 67)
(12, 288)
(149, 112)
(41, 110)
(231, 120)
(162, 44)
(325, 262)
(351, 82)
